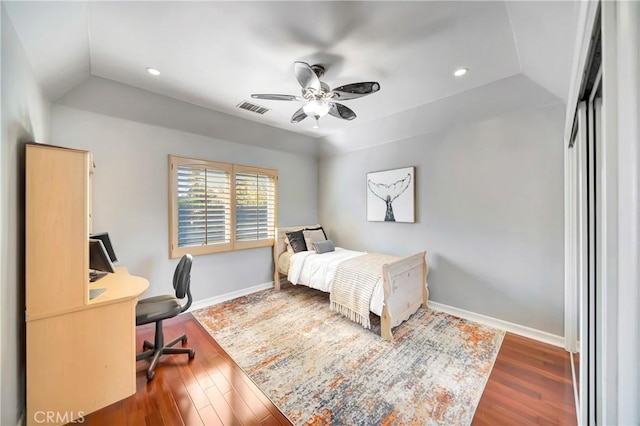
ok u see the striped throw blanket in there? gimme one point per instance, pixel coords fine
(353, 285)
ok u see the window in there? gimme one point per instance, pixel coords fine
(217, 207)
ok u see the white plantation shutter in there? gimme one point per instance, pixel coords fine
(255, 205)
(204, 206)
(220, 207)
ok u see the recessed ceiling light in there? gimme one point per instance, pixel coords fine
(153, 71)
(460, 72)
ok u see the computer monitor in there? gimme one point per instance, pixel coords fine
(104, 237)
(98, 257)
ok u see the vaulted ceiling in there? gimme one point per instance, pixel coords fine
(216, 54)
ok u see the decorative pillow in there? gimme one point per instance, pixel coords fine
(283, 262)
(315, 229)
(296, 241)
(311, 237)
(323, 246)
(287, 244)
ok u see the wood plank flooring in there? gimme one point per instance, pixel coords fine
(530, 384)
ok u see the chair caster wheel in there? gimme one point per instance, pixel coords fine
(192, 354)
(151, 375)
(184, 340)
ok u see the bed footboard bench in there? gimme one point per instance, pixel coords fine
(405, 291)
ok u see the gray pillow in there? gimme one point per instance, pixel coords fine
(324, 246)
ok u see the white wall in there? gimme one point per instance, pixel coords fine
(25, 118)
(483, 102)
(130, 195)
(489, 212)
(108, 97)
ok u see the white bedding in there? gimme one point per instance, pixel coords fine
(317, 270)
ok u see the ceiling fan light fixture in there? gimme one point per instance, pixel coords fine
(317, 108)
(321, 100)
(460, 72)
(153, 71)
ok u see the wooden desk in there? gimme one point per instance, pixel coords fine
(83, 358)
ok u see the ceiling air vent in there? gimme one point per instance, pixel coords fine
(252, 107)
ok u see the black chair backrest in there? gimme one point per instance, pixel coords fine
(182, 280)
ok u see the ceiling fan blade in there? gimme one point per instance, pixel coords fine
(306, 76)
(298, 116)
(356, 90)
(277, 97)
(341, 111)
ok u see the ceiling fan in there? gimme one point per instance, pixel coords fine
(321, 100)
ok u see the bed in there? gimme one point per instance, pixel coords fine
(399, 292)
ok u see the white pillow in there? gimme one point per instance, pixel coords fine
(311, 237)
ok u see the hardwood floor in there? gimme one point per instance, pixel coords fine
(208, 390)
(530, 384)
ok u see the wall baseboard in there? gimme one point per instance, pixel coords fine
(541, 336)
(229, 296)
(532, 333)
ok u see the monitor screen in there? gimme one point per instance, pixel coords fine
(98, 257)
(104, 237)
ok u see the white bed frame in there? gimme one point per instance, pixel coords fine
(405, 284)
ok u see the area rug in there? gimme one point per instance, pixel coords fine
(320, 368)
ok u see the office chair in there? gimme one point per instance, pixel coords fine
(158, 308)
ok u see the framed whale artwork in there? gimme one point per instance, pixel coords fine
(391, 195)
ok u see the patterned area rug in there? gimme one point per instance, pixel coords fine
(320, 368)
